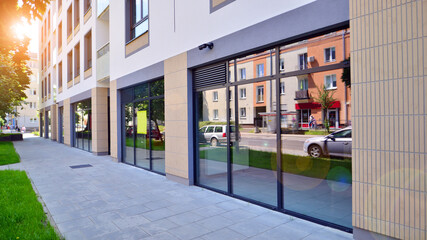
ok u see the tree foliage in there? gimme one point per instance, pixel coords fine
(326, 98)
(346, 75)
(14, 73)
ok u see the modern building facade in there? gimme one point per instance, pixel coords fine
(139, 80)
(27, 113)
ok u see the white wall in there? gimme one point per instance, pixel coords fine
(193, 23)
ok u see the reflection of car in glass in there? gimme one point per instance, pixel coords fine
(155, 132)
(215, 134)
(335, 144)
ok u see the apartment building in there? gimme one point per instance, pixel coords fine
(137, 80)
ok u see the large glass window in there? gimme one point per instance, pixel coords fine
(267, 155)
(144, 126)
(139, 18)
(83, 125)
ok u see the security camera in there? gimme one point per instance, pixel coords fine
(210, 45)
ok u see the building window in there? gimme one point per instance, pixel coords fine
(242, 93)
(31, 104)
(34, 105)
(330, 54)
(242, 73)
(215, 114)
(69, 21)
(331, 81)
(49, 86)
(138, 17)
(70, 66)
(260, 93)
(282, 64)
(242, 112)
(282, 87)
(260, 70)
(88, 50)
(87, 5)
(230, 95)
(48, 53)
(60, 35)
(59, 4)
(77, 60)
(303, 61)
(303, 84)
(76, 13)
(215, 96)
(60, 75)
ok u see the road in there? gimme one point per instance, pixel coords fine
(292, 144)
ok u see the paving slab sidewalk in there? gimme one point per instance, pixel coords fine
(112, 200)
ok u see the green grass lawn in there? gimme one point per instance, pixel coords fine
(316, 132)
(8, 154)
(322, 168)
(142, 142)
(21, 214)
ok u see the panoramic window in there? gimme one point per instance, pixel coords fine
(83, 125)
(139, 18)
(87, 5)
(77, 60)
(76, 13)
(60, 35)
(144, 126)
(309, 178)
(70, 66)
(70, 21)
(60, 75)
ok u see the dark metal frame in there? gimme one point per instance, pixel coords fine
(277, 76)
(133, 25)
(123, 127)
(74, 138)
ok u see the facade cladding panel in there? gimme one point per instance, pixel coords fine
(164, 107)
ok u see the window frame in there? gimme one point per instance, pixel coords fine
(282, 87)
(215, 96)
(258, 75)
(132, 26)
(215, 114)
(257, 94)
(242, 72)
(242, 115)
(325, 82)
(242, 90)
(334, 59)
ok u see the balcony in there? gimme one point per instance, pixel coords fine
(103, 63)
(302, 94)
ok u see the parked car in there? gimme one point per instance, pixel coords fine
(215, 134)
(335, 144)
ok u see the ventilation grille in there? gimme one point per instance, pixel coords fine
(210, 76)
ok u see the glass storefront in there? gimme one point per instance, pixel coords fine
(144, 126)
(248, 150)
(83, 125)
(49, 125)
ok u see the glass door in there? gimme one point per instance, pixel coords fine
(142, 143)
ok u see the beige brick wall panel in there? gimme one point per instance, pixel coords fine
(113, 119)
(54, 121)
(389, 186)
(66, 122)
(176, 90)
(99, 120)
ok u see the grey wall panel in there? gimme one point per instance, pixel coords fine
(151, 72)
(81, 96)
(317, 16)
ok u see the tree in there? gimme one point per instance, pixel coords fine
(326, 98)
(14, 73)
(346, 75)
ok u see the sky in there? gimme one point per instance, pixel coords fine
(30, 30)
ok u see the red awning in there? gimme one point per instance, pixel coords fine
(315, 105)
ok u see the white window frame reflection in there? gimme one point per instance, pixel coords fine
(331, 82)
(260, 94)
(260, 70)
(331, 57)
(242, 73)
(215, 96)
(215, 114)
(242, 93)
(243, 112)
(282, 88)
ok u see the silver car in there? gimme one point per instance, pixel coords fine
(215, 134)
(335, 144)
